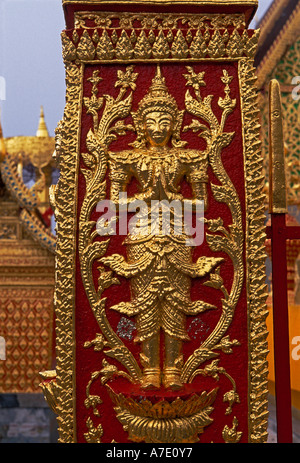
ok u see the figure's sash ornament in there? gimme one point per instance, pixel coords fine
(166, 340)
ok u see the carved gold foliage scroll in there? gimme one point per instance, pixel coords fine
(232, 242)
(96, 39)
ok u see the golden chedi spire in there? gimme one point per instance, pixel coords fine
(2, 144)
(42, 130)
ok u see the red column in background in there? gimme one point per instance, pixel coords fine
(278, 232)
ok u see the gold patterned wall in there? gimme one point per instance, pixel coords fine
(282, 62)
(287, 68)
(26, 265)
(26, 304)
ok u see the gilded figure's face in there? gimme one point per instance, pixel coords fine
(158, 128)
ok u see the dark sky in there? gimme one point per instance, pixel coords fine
(31, 64)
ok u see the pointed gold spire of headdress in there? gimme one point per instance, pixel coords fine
(158, 97)
(42, 130)
(158, 83)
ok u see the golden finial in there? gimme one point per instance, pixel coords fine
(2, 144)
(42, 130)
(277, 200)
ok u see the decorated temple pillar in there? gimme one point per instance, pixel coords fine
(160, 322)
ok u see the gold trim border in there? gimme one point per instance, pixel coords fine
(68, 137)
(164, 2)
(88, 49)
(273, 13)
(255, 258)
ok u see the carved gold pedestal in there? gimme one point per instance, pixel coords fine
(164, 420)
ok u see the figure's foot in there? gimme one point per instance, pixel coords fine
(151, 378)
(171, 379)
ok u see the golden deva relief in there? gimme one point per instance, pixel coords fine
(159, 266)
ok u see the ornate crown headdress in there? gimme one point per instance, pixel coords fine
(157, 98)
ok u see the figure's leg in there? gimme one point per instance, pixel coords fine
(151, 362)
(172, 370)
